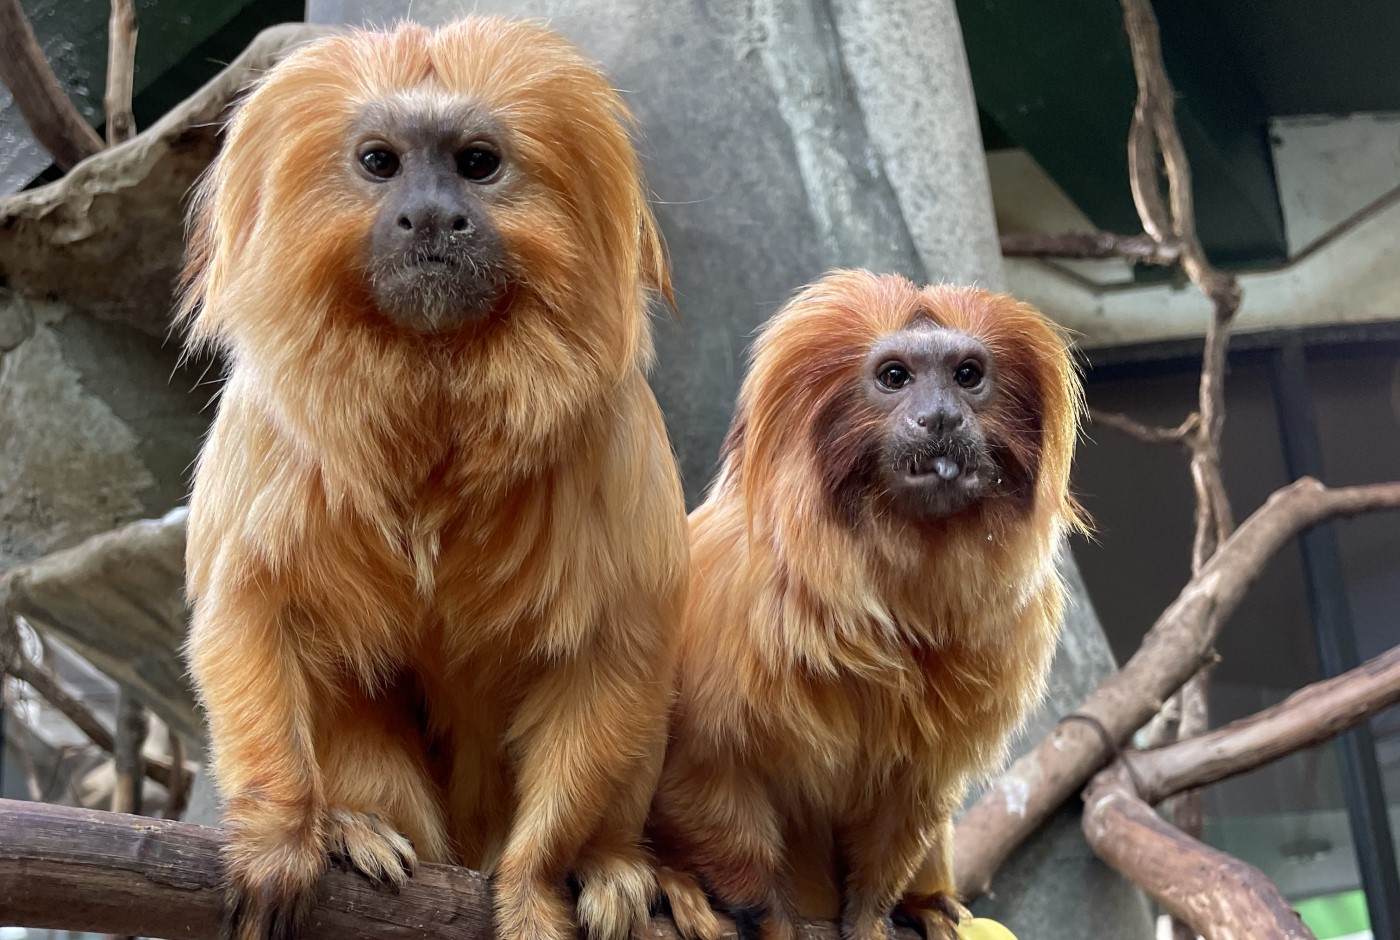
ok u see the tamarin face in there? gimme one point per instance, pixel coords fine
(895, 401)
(428, 181)
(931, 386)
(434, 257)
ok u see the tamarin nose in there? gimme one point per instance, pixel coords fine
(939, 420)
(428, 218)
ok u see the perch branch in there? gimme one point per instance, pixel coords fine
(1213, 894)
(1178, 644)
(177, 798)
(121, 71)
(55, 123)
(70, 869)
(1090, 246)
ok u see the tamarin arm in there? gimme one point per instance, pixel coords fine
(256, 695)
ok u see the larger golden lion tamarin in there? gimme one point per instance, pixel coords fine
(873, 606)
(437, 550)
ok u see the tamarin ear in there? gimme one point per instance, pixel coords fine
(656, 266)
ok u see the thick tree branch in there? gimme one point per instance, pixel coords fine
(70, 869)
(55, 123)
(1214, 894)
(1090, 246)
(1178, 644)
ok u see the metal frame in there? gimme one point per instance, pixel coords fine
(1334, 632)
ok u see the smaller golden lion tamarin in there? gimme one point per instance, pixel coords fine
(437, 550)
(874, 604)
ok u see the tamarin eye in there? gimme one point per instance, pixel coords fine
(968, 375)
(894, 376)
(478, 164)
(380, 163)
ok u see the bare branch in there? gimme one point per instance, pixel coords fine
(1090, 246)
(121, 71)
(71, 869)
(1148, 434)
(1308, 717)
(1178, 644)
(55, 123)
(1216, 895)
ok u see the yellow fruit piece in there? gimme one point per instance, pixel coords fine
(981, 928)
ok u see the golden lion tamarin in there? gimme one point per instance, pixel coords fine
(437, 552)
(873, 606)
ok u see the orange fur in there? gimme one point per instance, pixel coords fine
(435, 577)
(844, 672)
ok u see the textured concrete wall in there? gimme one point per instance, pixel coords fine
(784, 137)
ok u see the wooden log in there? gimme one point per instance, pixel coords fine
(71, 869)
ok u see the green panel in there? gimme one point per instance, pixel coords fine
(1057, 78)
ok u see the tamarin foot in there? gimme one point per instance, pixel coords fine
(936, 916)
(616, 895)
(367, 843)
(690, 907)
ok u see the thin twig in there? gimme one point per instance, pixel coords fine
(121, 72)
(52, 118)
(1147, 433)
(1090, 246)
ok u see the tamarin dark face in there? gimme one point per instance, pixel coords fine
(931, 386)
(435, 258)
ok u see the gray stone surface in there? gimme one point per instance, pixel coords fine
(784, 137)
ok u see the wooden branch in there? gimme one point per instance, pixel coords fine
(1090, 246)
(1148, 434)
(121, 71)
(70, 869)
(52, 118)
(1178, 644)
(1216, 895)
(1308, 717)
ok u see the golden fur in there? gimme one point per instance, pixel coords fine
(844, 670)
(435, 576)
